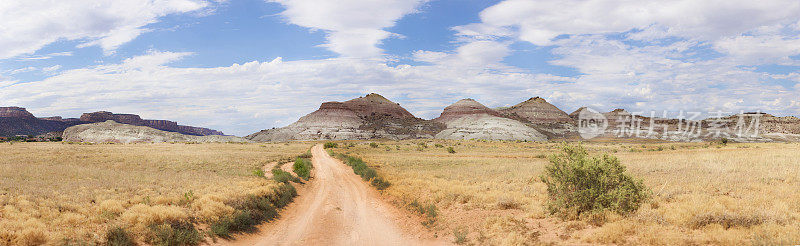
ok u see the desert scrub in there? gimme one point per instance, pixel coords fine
(302, 167)
(118, 236)
(329, 145)
(578, 184)
(451, 150)
(282, 176)
(361, 169)
(253, 210)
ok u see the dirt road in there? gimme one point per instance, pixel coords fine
(338, 208)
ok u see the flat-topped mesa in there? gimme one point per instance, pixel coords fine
(536, 110)
(465, 107)
(102, 116)
(132, 119)
(15, 112)
(370, 105)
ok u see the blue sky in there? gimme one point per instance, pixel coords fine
(244, 65)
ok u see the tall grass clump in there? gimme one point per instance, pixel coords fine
(579, 184)
(302, 167)
(329, 145)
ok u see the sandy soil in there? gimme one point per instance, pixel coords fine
(338, 208)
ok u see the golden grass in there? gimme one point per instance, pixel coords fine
(703, 193)
(52, 192)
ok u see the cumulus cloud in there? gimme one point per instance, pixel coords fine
(751, 32)
(354, 28)
(244, 98)
(27, 26)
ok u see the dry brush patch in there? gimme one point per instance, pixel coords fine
(56, 193)
(702, 193)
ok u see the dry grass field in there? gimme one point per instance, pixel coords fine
(58, 193)
(491, 192)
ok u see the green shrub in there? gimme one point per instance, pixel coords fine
(724, 141)
(379, 183)
(305, 155)
(374, 145)
(258, 173)
(302, 167)
(438, 146)
(578, 183)
(118, 236)
(174, 233)
(281, 176)
(460, 235)
(451, 150)
(329, 145)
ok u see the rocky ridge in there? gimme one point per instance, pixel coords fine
(374, 116)
(469, 119)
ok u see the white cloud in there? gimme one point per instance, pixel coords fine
(27, 26)
(244, 98)
(22, 70)
(354, 28)
(541, 21)
(756, 50)
(475, 54)
(48, 56)
(51, 69)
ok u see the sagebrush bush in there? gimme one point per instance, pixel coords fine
(282, 176)
(578, 183)
(174, 233)
(302, 167)
(329, 145)
(451, 150)
(118, 236)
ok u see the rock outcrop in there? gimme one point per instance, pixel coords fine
(469, 119)
(536, 110)
(368, 117)
(132, 119)
(18, 121)
(544, 117)
(111, 131)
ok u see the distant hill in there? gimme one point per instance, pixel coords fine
(373, 116)
(18, 121)
(368, 117)
(111, 131)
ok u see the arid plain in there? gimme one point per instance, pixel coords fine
(483, 193)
